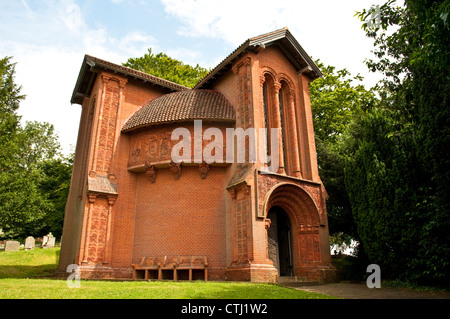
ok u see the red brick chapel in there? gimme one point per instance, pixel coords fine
(135, 213)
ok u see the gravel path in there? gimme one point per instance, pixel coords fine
(360, 291)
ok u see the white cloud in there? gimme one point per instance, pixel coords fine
(185, 55)
(72, 18)
(44, 74)
(326, 29)
(48, 45)
(232, 20)
(136, 43)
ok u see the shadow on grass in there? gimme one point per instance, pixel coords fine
(29, 263)
(25, 271)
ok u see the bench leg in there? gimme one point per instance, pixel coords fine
(206, 274)
(175, 275)
(190, 274)
(159, 274)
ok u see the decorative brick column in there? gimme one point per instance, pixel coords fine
(245, 267)
(99, 214)
(305, 124)
(107, 125)
(293, 136)
(101, 193)
(277, 124)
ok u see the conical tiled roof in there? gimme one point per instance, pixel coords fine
(183, 106)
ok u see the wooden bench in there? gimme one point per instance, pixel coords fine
(150, 267)
(192, 264)
(172, 267)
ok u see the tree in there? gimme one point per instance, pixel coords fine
(54, 186)
(165, 67)
(336, 98)
(23, 205)
(398, 177)
(10, 98)
(381, 179)
(28, 157)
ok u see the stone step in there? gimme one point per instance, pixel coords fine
(295, 281)
(287, 279)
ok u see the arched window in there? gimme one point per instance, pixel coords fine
(268, 95)
(273, 116)
(278, 102)
(266, 117)
(281, 98)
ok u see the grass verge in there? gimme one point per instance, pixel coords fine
(58, 289)
(27, 275)
(29, 263)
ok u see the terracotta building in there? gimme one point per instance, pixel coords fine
(131, 207)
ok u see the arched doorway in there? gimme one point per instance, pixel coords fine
(290, 208)
(280, 244)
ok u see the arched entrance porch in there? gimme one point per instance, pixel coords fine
(301, 237)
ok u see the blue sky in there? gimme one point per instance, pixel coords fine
(48, 39)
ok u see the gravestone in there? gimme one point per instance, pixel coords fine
(29, 243)
(12, 245)
(44, 241)
(51, 242)
(48, 241)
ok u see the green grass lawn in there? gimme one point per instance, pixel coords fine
(58, 289)
(29, 263)
(28, 275)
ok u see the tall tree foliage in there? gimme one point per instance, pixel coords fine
(165, 67)
(381, 180)
(27, 155)
(10, 98)
(336, 98)
(54, 186)
(397, 172)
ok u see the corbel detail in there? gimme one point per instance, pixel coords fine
(150, 171)
(176, 170)
(203, 169)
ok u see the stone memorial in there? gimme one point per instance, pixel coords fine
(29, 243)
(51, 242)
(12, 245)
(48, 241)
(44, 241)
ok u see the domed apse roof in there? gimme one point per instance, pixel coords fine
(183, 106)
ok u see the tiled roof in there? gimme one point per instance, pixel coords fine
(183, 106)
(282, 37)
(90, 67)
(134, 73)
